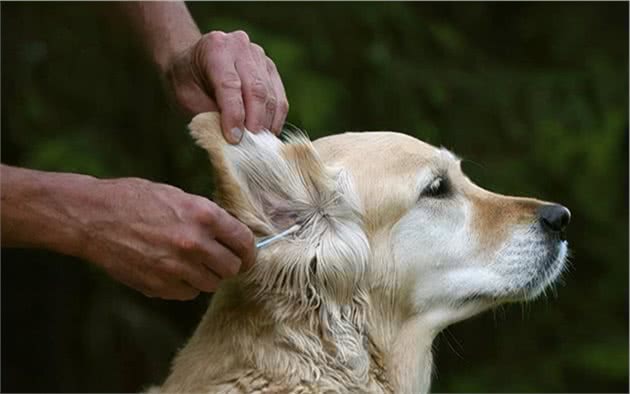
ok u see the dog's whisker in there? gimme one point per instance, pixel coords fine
(448, 333)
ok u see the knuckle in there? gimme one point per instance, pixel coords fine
(245, 238)
(271, 66)
(249, 238)
(235, 109)
(216, 35)
(241, 36)
(239, 233)
(189, 204)
(171, 270)
(271, 104)
(230, 81)
(258, 90)
(224, 266)
(213, 41)
(258, 49)
(233, 267)
(188, 244)
(226, 223)
(283, 106)
(207, 213)
(216, 214)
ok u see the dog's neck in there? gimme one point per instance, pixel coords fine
(239, 333)
(406, 342)
(410, 359)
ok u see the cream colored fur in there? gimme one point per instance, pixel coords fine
(351, 302)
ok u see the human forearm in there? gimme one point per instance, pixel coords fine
(40, 209)
(165, 28)
(153, 237)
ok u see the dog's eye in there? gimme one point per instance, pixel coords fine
(437, 188)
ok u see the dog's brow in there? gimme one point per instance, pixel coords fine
(448, 155)
(447, 161)
(424, 177)
(442, 163)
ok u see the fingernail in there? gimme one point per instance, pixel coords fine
(237, 134)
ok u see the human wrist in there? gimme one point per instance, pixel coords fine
(165, 55)
(166, 29)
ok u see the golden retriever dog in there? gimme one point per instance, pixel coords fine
(395, 243)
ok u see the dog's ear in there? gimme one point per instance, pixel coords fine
(231, 190)
(270, 185)
(267, 184)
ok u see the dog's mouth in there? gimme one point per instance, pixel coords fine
(527, 279)
(549, 269)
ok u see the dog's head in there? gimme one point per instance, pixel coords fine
(383, 212)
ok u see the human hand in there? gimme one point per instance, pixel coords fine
(228, 73)
(162, 241)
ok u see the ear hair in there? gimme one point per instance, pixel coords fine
(314, 276)
(205, 128)
(270, 185)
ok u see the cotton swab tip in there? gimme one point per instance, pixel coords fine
(271, 239)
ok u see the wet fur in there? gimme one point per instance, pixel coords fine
(297, 321)
(352, 301)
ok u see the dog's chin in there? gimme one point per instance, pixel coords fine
(548, 269)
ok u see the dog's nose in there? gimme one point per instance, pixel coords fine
(554, 217)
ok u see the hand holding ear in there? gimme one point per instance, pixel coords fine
(226, 72)
(162, 241)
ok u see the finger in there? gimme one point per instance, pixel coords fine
(130, 274)
(227, 87)
(180, 291)
(255, 92)
(235, 236)
(153, 286)
(282, 104)
(259, 56)
(220, 260)
(192, 273)
(140, 285)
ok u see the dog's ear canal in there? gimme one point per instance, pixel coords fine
(267, 184)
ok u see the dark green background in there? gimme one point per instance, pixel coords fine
(535, 93)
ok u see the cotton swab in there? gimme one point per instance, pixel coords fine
(271, 239)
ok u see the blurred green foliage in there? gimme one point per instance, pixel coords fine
(533, 95)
